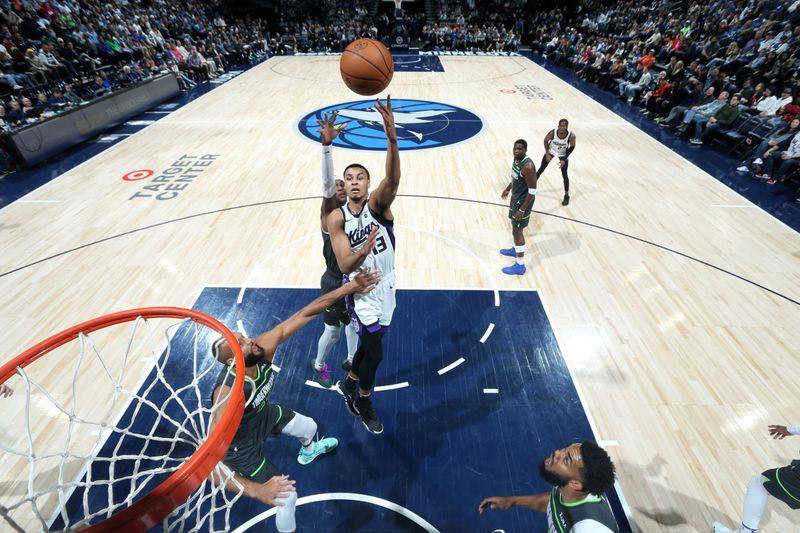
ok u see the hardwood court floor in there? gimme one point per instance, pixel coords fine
(654, 278)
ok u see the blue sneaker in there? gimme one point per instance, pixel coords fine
(509, 252)
(514, 269)
(321, 446)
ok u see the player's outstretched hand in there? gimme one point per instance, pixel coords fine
(495, 502)
(388, 118)
(329, 130)
(778, 432)
(276, 487)
(366, 280)
(5, 390)
(505, 193)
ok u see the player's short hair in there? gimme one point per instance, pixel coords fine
(355, 165)
(598, 471)
(523, 142)
(565, 121)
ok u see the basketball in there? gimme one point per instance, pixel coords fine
(366, 66)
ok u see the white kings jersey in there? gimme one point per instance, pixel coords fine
(558, 146)
(358, 229)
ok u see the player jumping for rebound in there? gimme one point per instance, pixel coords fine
(362, 233)
(336, 317)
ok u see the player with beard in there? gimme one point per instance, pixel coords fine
(260, 478)
(580, 474)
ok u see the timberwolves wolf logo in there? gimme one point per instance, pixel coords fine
(420, 125)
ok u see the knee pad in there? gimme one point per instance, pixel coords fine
(301, 426)
(284, 515)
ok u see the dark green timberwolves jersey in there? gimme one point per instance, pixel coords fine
(332, 267)
(562, 516)
(519, 187)
(259, 389)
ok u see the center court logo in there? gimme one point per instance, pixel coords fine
(420, 125)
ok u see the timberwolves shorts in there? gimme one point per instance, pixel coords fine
(372, 311)
(336, 314)
(512, 209)
(245, 455)
(784, 483)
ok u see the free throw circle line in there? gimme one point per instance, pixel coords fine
(345, 496)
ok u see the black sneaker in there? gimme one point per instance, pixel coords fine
(349, 395)
(566, 200)
(363, 405)
(347, 365)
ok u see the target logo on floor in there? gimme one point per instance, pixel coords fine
(168, 183)
(136, 175)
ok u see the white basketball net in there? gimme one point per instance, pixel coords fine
(123, 446)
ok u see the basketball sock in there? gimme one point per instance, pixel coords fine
(284, 515)
(303, 428)
(520, 250)
(755, 504)
(328, 339)
(352, 342)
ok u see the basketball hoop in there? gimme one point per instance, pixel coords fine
(144, 507)
(398, 4)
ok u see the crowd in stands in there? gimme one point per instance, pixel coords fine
(490, 26)
(723, 73)
(55, 55)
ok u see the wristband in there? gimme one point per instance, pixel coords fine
(532, 192)
(794, 430)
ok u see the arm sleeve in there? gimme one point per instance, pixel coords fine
(328, 180)
(589, 526)
(794, 430)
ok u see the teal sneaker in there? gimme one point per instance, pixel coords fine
(322, 376)
(508, 252)
(514, 270)
(321, 446)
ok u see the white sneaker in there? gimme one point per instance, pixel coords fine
(742, 168)
(716, 527)
(758, 161)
